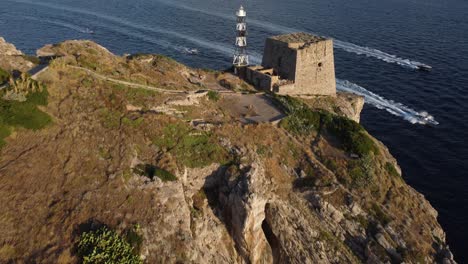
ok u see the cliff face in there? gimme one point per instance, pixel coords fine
(243, 193)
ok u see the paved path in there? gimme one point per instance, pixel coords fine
(147, 87)
(36, 71)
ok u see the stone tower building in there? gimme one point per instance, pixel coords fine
(298, 63)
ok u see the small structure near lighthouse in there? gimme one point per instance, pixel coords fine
(241, 59)
(296, 64)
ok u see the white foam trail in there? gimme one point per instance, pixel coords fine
(346, 46)
(370, 52)
(59, 23)
(390, 106)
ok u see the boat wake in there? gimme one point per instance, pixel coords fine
(375, 53)
(394, 108)
(60, 24)
(346, 46)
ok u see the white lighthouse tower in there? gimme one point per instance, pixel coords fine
(241, 59)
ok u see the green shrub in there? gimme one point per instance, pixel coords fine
(351, 135)
(380, 215)
(4, 132)
(4, 76)
(40, 97)
(23, 114)
(213, 96)
(330, 164)
(391, 170)
(199, 199)
(132, 235)
(362, 171)
(358, 176)
(190, 147)
(199, 150)
(110, 118)
(302, 120)
(132, 122)
(106, 246)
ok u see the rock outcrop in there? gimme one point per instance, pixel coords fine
(345, 104)
(13, 59)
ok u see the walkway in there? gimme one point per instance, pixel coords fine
(136, 85)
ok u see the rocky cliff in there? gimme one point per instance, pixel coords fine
(13, 59)
(145, 141)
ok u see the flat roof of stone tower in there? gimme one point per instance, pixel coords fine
(298, 38)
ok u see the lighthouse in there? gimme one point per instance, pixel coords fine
(241, 59)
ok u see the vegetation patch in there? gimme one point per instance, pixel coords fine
(23, 114)
(106, 246)
(379, 215)
(391, 170)
(199, 199)
(191, 148)
(152, 171)
(198, 202)
(362, 171)
(132, 122)
(4, 76)
(264, 151)
(352, 136)
(213, 96)
(110, 118)
(331, 164)
(303, 121)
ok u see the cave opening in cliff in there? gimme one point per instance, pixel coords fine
(272, 239)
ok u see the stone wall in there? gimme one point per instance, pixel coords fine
(260, 79)
(279, 56)
(315, 69)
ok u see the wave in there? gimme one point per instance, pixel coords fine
(346, 46)
(390, 106)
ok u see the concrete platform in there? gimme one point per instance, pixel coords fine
(252, 108)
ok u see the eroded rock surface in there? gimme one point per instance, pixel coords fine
(13, 59)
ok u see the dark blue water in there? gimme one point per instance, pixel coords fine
(434, 32)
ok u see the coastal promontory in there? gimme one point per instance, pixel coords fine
(162, 163)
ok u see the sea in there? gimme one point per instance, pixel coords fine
(379, 46)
